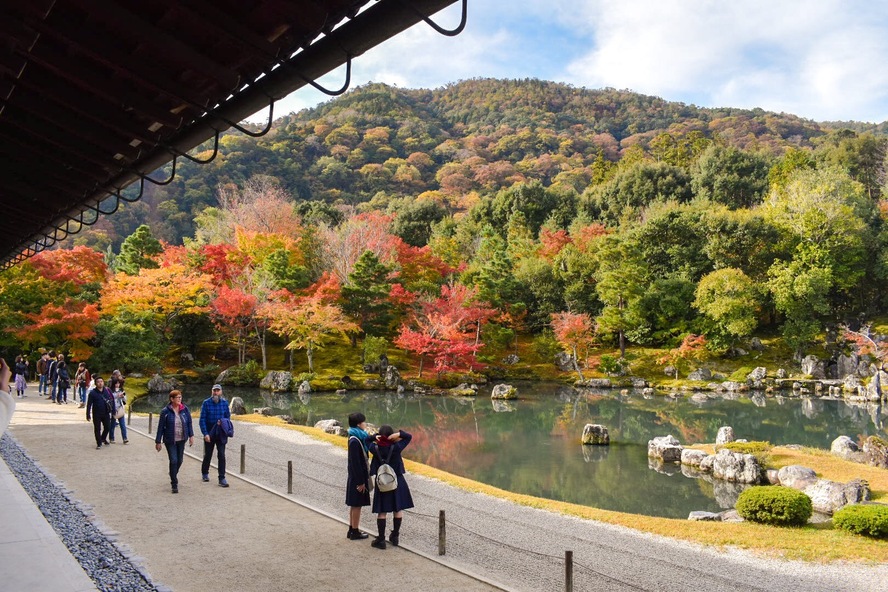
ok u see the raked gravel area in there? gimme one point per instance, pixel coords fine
(523, 548)
(516, 547)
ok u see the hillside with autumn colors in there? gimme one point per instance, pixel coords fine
(451, 228)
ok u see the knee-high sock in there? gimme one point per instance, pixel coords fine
(380, 527)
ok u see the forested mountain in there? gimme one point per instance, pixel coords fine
(379, 143)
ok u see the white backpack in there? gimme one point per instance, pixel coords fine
(386, 478)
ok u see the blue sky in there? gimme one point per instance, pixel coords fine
(819, 59)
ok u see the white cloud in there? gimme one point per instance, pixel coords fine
(821, 59)
(801, 57)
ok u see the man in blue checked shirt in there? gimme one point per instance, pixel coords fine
(213, 410)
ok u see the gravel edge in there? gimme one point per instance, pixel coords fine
(111, 565)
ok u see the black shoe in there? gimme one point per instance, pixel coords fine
(126, 441)
(175, 489)
(106, 443)
(99, 447)
(378, 543)
(356, 535)
(394, 538)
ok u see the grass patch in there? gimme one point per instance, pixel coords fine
(815, 543)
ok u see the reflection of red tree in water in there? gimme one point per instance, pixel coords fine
(689, 434)
(451, 443)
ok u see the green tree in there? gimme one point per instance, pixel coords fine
(365, 296)
(621, 278)
(633, 188)
(137, 251)
(730, 301)
(414, 220)
(727, 175)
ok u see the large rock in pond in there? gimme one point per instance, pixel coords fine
(159, 384)
(692, 457)
(665, 449)
(596, 435)
(237, 407)
(564, 361)
(847, 365)
(304, 388)
(875, 451)
(464, 390)
(845, 447)
(796, 476)
(600, 383)
(736, 467)
(757, 375)
(700, 374)
(331, 426)
(504, 391)
(392, 378)
(277, 381)
(725, 435)
(829, 496)
(813, 367)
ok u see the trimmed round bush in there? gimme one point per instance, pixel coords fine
(865, 519)
(780, 506)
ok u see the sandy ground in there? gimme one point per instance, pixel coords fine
(207, 537)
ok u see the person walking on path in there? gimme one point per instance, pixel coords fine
(20, 371)
(81, 383)
(99, 407)
(357, 488)
(388, 447)
(173, 428)
(52, 375)
(118, 416)
(42, 365)
(64, 381)
(212, 413)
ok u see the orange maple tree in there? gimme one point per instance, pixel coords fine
(576, 333)
(311, 320)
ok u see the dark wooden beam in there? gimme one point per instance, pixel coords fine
(130, 24)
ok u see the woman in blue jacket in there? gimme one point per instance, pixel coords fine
(388, 446)
(173, 428)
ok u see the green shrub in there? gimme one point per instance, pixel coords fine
(760, 450)
(866, 519)
(248, 374)
(612, 365)
(780, 506)
(546, 346)
(207, 373)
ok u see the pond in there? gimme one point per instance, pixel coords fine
(532, 445)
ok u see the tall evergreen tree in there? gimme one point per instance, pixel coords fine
(137, 250)
(365, 296)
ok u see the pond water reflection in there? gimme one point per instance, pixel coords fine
(532, 445)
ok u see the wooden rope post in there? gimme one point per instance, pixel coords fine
(129, 415)
(289, 476)
(442, 534)
(243, 458)
(150, 420)
(568, 571)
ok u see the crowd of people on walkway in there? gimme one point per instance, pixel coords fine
(105, 406)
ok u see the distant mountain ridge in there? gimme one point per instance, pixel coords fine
(473, 137)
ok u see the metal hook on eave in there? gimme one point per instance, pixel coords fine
(259, 134)
(335, 93)
(438, 28)
(176, 152)
(145, 177)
